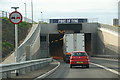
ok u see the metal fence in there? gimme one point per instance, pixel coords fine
(8, 70)
(4, 14)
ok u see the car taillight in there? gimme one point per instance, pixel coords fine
(71, 58)
(87, 57)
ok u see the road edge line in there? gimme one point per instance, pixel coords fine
(108, 69)
(48, 73)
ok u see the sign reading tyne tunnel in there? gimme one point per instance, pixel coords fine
(15, 17)
(74, 20)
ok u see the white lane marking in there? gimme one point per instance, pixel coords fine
(105, 59)
(49, 72)
(111, 70)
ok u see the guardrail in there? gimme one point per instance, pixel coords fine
(23, 67)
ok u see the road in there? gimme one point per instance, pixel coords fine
(95, 71)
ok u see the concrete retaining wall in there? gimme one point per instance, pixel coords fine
(107, 43)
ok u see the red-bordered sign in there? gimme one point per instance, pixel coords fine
(15, 17)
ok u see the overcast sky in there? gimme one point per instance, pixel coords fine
(102, 10)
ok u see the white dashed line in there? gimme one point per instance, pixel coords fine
(108, 69)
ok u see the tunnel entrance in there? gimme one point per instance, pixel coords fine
(88, 43)
(56, 45)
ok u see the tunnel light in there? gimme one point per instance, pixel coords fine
(61, 39)
(56, 40)
(61, 31)
(52, 41)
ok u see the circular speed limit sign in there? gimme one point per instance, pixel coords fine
(15, 17)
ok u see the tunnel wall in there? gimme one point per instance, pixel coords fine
(49, 29)
(52, 28)
(89, 27)
(93, 44)
(44, 50)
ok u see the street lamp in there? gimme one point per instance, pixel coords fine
(2, 13)
(41, 17)
(25, 12)
(15, 8)
(119, 13)
(32, 10)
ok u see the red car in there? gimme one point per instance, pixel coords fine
(79, 58)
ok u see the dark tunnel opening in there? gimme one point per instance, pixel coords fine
(88, 43)
(56, 45)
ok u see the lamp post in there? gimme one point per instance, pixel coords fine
(41, 17)
(119, 13)
(2, 13)
(6, 14)
(25, 12)
(32, 10)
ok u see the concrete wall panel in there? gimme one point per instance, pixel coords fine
(49, 29)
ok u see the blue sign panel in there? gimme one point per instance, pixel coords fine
(68, 20)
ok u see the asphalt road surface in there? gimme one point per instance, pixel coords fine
(99, 68)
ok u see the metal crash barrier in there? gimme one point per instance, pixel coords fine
(16, 69)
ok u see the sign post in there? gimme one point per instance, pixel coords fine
(16, 42)
(15, 18)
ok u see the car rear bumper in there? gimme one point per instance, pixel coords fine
(79, 64)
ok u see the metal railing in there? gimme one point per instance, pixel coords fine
(22, 67)
(4, 14)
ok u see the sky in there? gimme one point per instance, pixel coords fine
(102, 11)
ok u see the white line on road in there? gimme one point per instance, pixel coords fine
(48, 73)
(111, 70)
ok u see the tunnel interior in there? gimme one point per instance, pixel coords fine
(56, 45)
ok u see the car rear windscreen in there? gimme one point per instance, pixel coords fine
(79, 54)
